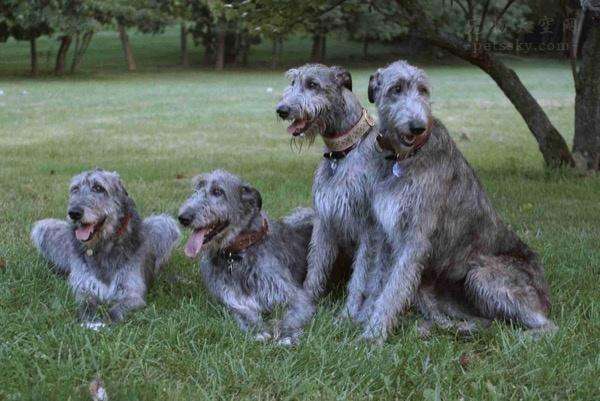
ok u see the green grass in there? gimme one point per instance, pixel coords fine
(161, 124)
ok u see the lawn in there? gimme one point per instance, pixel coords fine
(161, 126)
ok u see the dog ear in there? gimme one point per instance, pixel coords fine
(251, 196)
(342, 77)
(373, 87)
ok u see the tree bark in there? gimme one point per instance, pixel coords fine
(61, 56)
(220, 51)
(185, 57)
(34, 58)
(126, 47)
(586, 143)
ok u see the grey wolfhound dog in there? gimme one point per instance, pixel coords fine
(252, 264)
(108, 252)
(442, 232)
(320, 101)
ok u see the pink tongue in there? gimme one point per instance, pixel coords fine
(297, 126)
(194, 244)
(83, 233)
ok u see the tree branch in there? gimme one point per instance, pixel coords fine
(498, 18)
(483, 17)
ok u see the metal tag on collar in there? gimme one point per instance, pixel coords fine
(397, 170)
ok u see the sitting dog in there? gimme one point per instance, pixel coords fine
(443, 235)
(108, 252)
(250, 264)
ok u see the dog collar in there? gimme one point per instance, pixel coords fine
(124, 224)
(339, 145)
(245, 240)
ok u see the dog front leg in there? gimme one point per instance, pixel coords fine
(53, 239)
(120, 310)
(299, 311)
(322, 253)
(399, 290)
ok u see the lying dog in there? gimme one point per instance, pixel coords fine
(108, 252)
(251, 264)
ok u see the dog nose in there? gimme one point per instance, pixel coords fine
(417, 127)
(186, 218)
(75, 213)
(283, 111)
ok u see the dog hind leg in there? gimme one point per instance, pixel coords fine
(162, 234)
(503, 287)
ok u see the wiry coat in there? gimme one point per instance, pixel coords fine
(442, 232)
(116, 266)
(266, 274)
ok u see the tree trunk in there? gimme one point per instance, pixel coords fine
(274, 60)
(185, 57)
(126, 47)
(34, 58)
(365, 49)
(80, 48)
(552, 145)
(61, 56)
(586, 143)
(323, 48)
(318, 45)
(220, 52)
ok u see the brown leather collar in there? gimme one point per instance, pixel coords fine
(418, 142)
(124, 224)
(339, 145)
(246, 239)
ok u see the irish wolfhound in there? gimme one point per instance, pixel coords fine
(442, 231)
(320, 101)
(252, 264)
(109, 253)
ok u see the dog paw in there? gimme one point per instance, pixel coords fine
(287, 341)
(424, 329)
(95, 326)
(263, 337)
(374, 334)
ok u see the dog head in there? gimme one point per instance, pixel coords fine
(221, 206)
(402, 95)
(316, 97)
(98, 205)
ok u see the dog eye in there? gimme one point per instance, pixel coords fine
(423, 90)
(398, 88)
(312, 85)
(98, 189)
(74, 189)
(216, 192)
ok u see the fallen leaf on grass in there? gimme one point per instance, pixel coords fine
(2, 264)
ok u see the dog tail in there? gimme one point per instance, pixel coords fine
(300, 220)
(162, 235)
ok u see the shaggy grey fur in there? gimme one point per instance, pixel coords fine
(442, 232)
(320, 100)
(116, 263)
(265, 275)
